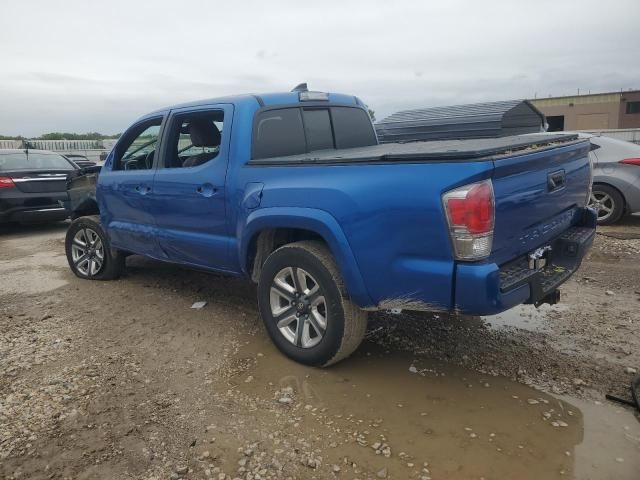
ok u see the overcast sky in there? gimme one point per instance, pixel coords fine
(96, 66)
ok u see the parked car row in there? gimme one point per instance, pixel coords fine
(616, 178)
(615, 192)
(32, 185)
(80, 160)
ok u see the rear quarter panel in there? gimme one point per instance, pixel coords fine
(391, 216)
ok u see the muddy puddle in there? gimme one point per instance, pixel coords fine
(526, 317)
(411, 417)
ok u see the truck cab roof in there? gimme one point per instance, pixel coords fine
(260, 100)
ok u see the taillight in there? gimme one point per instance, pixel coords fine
(631, 161)
(470, 214)
(6, 182)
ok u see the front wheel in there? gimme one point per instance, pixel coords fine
(88, 252)
(305, 307)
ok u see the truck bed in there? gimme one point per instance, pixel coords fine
(429, 151)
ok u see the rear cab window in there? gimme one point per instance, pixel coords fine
(352, 128)
(279, 133)
(317, 126)
(289, 131)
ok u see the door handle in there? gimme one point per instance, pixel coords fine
(207, 190)
(143, 190)
(556, 181)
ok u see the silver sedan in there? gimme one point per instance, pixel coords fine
(616, 178)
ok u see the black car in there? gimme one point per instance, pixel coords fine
(32, 184)
(80, 160)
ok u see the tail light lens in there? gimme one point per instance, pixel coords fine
(6, 182)
(470, 212)
(631, 161)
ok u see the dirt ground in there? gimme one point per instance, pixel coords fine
(122, 380)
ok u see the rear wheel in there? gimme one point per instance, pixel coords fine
(608, 203)
(88, 251)
(305, 307)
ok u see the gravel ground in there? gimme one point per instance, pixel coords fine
(123, 379)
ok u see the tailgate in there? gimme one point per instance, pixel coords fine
(538, 196)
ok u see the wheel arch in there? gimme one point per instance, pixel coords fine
(86, 208)
(269, 228)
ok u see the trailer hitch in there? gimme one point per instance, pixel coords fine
(551, 298)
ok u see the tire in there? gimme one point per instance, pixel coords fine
(608, 202)
(312, 265)
(97, 261)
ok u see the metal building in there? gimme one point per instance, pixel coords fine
(599, 111)
(477, 120)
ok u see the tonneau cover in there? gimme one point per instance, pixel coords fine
(441, 150)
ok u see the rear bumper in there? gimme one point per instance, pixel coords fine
(487, 289)
(31, 207)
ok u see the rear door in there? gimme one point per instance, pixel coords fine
(125, 186)
(538, 195)
(189, 187)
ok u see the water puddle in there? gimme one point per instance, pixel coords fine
(419, 418)
(526, 317)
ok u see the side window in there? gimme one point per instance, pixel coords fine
(317, 126)
(278, 133)
(352, 127)
(194, 139)
(138, 147)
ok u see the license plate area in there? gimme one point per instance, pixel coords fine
(539, 258)
(549, 265)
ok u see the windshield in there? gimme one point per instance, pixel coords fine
(33, 161)
(141, 146)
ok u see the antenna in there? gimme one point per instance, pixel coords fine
(301, 87)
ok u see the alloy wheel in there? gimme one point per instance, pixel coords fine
(603, 203)
(298, 306)
(87, 252)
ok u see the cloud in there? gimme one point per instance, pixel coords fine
(84, 69)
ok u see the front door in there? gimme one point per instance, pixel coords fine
(189, 187)
(125, 190)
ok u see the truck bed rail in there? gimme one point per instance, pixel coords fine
(442, 150)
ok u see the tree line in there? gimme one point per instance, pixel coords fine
(62, 136)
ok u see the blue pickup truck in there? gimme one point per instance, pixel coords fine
(293, 191)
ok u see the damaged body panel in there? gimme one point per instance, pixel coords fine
(81, 192)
